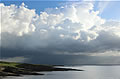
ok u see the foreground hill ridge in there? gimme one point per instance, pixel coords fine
(18, 69)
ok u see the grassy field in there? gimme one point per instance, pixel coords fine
(16, 69)
(11, 64)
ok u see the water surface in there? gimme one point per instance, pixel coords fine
(91, 72)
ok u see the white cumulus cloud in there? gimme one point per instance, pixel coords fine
(17, 20)
(72, 28)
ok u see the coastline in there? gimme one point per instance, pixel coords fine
(19, 69)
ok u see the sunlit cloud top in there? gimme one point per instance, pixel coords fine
(71, 29)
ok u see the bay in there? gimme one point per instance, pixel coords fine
(90, 72)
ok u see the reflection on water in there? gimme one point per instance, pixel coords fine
(91, 72)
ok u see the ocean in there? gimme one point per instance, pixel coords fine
(90, 72)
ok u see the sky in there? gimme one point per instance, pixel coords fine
(60, 32)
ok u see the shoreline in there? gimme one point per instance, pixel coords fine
(19, 69)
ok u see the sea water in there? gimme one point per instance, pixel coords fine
(90, 72)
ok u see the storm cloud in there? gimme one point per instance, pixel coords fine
(73, 32)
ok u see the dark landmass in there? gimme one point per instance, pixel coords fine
(19, 69)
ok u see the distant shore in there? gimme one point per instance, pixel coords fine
(19, 69)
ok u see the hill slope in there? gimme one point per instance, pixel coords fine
(17, 69)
